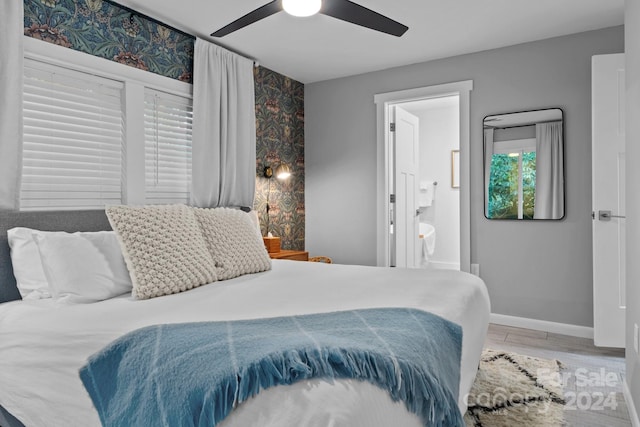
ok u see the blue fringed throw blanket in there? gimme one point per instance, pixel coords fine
(193, 374)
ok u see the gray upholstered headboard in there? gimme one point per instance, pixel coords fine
(47, 221)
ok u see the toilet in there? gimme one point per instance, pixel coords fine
(428, 242)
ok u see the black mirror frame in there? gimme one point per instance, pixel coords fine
(564, 169)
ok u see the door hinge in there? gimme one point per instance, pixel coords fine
(392, 127)
(392, 198)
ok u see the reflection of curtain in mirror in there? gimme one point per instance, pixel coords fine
(549, 200)
(488, 155)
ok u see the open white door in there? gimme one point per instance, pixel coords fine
(608, 154)
(405, 143)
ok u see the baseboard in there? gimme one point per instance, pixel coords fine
(542, 325)
(633, 414)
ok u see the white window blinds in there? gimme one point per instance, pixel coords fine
(73, 139)
(167, 128)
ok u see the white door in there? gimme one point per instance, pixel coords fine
(608, 151)
(406, 143)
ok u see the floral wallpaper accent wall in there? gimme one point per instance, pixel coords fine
(280, 139)
(108, 31)
(103, 29)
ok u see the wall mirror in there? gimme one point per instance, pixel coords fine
(524, 165)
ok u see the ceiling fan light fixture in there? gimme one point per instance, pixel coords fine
(301, 7)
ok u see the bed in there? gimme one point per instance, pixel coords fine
(44, 344)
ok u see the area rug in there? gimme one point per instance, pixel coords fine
(515, 390)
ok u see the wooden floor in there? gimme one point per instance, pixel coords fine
(593, 375)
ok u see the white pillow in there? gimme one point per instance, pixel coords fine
(83, 267)
(233, 241)
(27, 266)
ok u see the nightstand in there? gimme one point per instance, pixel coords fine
(293, 255)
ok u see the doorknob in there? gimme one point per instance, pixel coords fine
(606, 216)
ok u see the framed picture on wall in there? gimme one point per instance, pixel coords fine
(455, 168)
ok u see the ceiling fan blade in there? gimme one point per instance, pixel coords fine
(251, 17)
(360, 15)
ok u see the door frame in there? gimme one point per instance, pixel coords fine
(384, 158)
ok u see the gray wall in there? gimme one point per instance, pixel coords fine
(632, 39)
(537, 269)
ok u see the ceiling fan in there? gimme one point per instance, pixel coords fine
(344, 10)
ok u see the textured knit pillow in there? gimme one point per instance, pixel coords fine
(233, 241)
(163, 248)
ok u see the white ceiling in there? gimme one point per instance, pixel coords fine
(321, 48)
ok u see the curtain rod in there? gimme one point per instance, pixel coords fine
(147, 17)
(142, 15)
(522, 126)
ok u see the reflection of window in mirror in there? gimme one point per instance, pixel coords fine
(512, 183)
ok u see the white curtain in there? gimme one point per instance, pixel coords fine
(11, 59)
(224, 128)
(488, 154)
(549, 199)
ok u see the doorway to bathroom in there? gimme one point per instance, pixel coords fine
(437, 196)
(423, 192)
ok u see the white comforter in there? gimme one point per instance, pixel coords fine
(44, 344)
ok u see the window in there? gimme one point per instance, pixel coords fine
(73, 139)
(167, 135)
(100, 133)
(512, 180)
